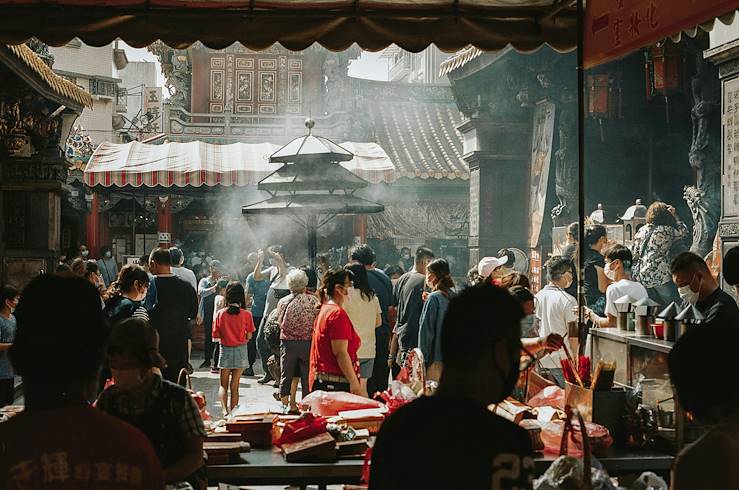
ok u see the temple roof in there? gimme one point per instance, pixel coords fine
(57, 84)
(420, 138)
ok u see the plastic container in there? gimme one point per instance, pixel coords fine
(658, 330)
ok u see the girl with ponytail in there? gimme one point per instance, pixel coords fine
(439, 278)
(124, 296)
(233, 327)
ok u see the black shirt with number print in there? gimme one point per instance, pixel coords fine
(444, 443)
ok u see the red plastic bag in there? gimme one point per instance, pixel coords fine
(550, 396)
(397, 395)
(304, 428)
(330, 403)
(551, 435)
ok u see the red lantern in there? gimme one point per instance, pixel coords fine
(664, 69)
(598, 92)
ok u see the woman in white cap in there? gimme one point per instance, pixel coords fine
(487, 267)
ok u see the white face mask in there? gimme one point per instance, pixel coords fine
(108, 255)
(687, 294)
(84, 253)
(609, 272)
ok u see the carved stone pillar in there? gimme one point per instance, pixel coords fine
(704, 199)
(566, 175)
(497, 153)
(726, 58)
(93, 225)
(164, 220)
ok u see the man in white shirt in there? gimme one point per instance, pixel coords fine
(179, 270)
(555, 308)
(617, 269)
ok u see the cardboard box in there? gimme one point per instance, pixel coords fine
(603, 407)
(316, 449)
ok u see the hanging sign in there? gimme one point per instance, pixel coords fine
(615, 28)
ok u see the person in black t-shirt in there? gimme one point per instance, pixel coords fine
(697, 286)
(594, 278)
(408, 297)
(451, 439)
(731, 268)
(172, 313)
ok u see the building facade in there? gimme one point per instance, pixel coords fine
(422, 67)
(37, 111)
(94, 69)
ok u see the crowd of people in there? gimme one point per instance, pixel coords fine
(341, 328)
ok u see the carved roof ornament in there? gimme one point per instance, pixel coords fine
(78, 148)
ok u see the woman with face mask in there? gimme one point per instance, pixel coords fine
(438, 278)
(125, 295)
(108, 266)
(595, 281)
(334, 363)
(8, 301)
(164, 411)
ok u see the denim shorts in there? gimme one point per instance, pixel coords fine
(366, 366)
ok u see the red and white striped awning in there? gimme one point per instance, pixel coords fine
(197, 164)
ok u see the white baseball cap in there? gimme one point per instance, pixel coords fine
(488, 264)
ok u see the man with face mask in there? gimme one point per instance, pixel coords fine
(84, 252)
(617, 269)
(697, 286)
(58, 428)
(710, 461)
(108, 266)
(555, 308)
(481, 349)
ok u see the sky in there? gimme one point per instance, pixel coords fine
(369, 65)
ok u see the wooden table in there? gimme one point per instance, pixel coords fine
(268, 467)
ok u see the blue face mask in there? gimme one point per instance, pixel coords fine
(528, 324)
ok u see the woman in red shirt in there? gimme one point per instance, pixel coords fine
(234, 327)
(333, 354)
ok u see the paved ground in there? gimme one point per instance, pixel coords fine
(252, 395)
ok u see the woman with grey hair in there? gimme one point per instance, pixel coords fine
(296, 313)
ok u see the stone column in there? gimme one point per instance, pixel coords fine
(704, 199)
(726, 57)
(497, 152)
(164, 219)
(92, 225)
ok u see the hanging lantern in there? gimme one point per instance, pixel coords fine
(598, 92)
(664, 69)
(604, 98)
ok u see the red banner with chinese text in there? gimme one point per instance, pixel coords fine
(615, 28)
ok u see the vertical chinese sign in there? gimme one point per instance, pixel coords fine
(615, 28)
(153, 107)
